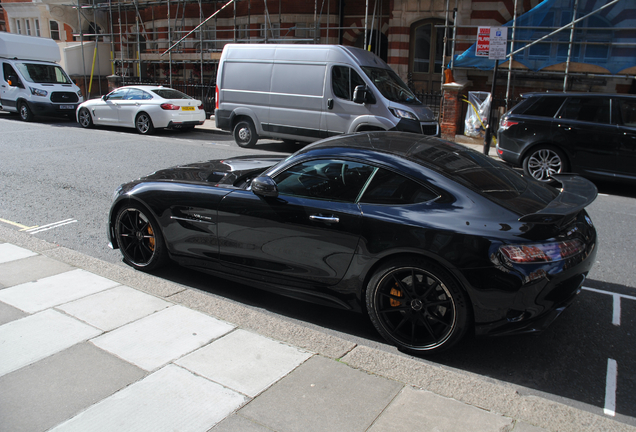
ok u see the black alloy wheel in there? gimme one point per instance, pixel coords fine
(544, 161)
(25, 112)
(143, 124)
(245, 134)
(139, 238)
(417, 306)
(85, 119)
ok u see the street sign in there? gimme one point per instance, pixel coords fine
(491, 42)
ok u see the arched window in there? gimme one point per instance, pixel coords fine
(55, 30)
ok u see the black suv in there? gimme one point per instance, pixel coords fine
(593, 135)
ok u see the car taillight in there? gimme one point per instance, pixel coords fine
(169, 106)
(201, 107)
(505, 124)
(216, 97)
(542, 252)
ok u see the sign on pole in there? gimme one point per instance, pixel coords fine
(491, 42)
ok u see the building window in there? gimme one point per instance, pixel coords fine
(27, 26)
(55, 30)
(18, 27)
(273, 31)
(305, 30)
(37, 28)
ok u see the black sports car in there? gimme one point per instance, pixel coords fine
(431, 239)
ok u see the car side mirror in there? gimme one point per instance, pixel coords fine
(360, 94)
(264, 186)
(105, 97)
(13, 81)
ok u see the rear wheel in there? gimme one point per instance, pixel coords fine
(25, 112)
(544, 161)
(139, 238)
(245, 134)
(415, 305)
(85, 119)
(143, 124)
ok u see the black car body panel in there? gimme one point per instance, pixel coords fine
(596, 133)
(327, 250)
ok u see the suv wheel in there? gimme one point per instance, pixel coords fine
(544, 161)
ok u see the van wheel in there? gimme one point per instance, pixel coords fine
(25, 112)
(245, 134)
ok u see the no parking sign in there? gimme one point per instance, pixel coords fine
(491, 42)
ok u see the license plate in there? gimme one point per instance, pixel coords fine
(187, 108)
(67, 106)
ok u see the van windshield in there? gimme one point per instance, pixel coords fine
(390, 85)
(43, 73)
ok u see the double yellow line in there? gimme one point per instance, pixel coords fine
(22, 227)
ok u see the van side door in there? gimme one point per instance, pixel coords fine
(296, 100)
(340, 110)
(11, 87)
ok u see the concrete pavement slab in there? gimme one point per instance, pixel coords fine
(44, 394)
(10, 252)
(171, 399)
(30, 269)
(54, 290)
(419, 410)
(237, 423)
(525, 427)
(244, 361)
(162, 337)
(322, 395)
(35, 337)
(9, 313)
(114, 308)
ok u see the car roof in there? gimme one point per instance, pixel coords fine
(577, 94)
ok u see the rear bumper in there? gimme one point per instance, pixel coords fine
(223, 119)
(176, 125)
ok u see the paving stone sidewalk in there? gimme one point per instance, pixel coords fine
(91, 346)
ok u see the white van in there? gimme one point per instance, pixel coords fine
(31, 81)
(308, 92)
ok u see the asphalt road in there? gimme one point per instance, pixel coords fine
(57, 181)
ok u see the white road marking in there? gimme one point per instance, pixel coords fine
(610, 388)
(50, 226)
(616, 314)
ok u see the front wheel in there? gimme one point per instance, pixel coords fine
(416, 306)
(25, 112)
(139, 238)
(143, 124)
(85, 119)
(245, 134)
(542, 162)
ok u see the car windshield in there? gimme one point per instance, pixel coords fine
(487, 177)
(168, 93)
(391, 86)
(43, 73)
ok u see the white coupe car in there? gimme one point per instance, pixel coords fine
(144, 108)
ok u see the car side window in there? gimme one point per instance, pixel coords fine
(118, 94)
(387, 187)
(10, 74)
(328, 179)
(344, 81)
(544, 106)
(593, 110)
(137, 94)
(627, 109)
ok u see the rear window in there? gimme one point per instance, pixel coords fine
(170, 94)
(544, 106)
(488, 178)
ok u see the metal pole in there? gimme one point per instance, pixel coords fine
(366, 25)
(170, 53)
(316, 36)
(567, 63)
(81, 32)
(512, 47)
(492, 103)
(454, 35)
(445, 43)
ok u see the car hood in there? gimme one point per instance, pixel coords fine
(220, 172)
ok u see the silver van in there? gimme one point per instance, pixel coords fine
(308, 92)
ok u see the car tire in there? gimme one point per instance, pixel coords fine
(428, 316)
(245, 134)
(143, 124)
(25, 112)
(542, 162)
(139, 238)
(85, 119)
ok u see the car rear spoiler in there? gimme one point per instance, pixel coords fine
(576, 194)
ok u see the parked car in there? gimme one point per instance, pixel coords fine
(144, 108)
(433, 240)
(593, 135)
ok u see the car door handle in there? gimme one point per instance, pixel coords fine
(329, 103)
(321, 218)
